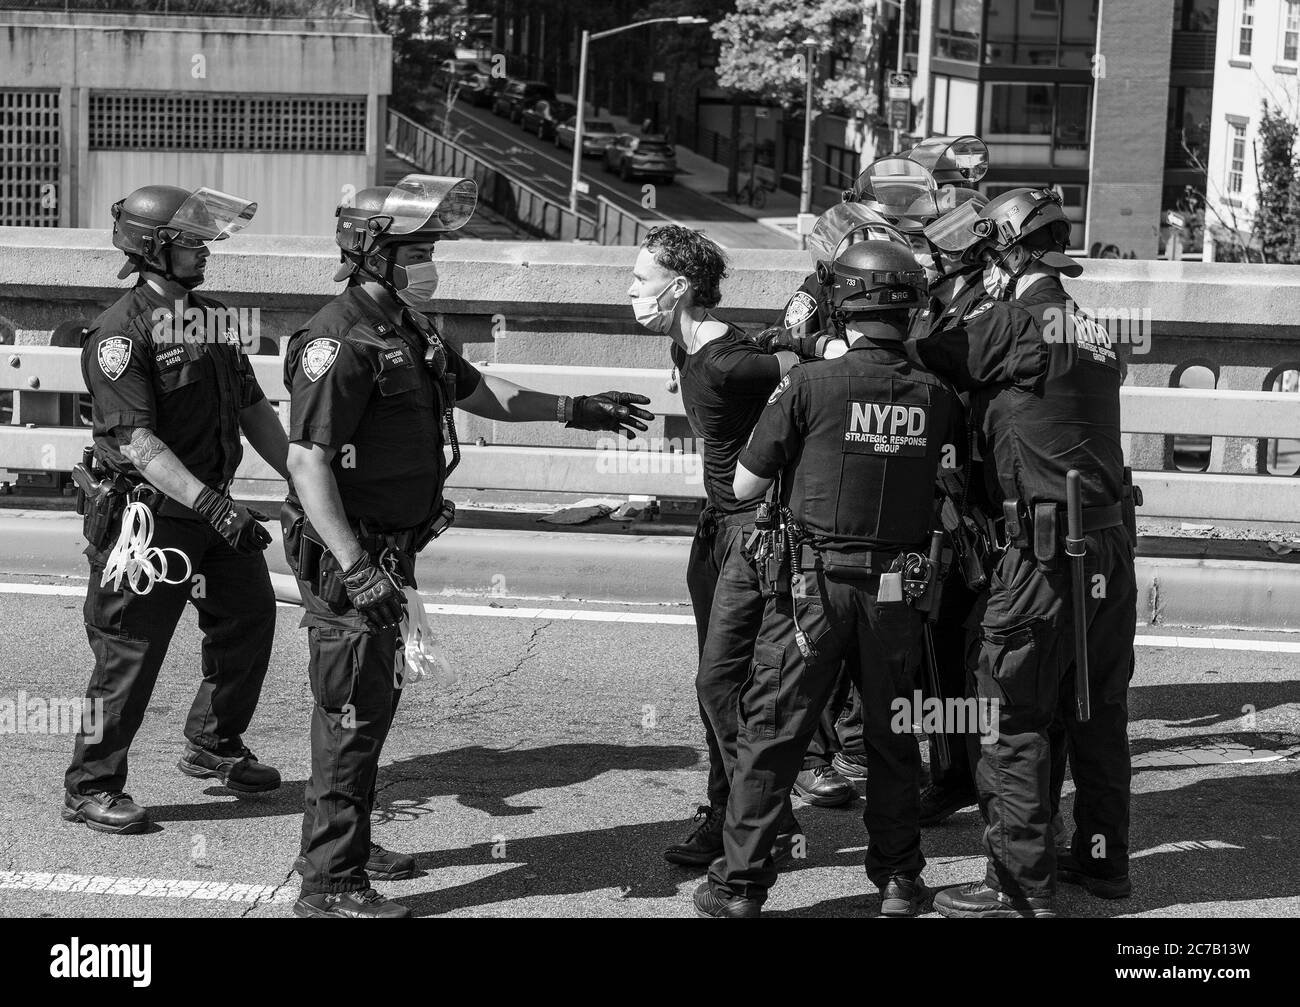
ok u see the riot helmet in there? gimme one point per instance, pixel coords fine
(871, 278)
(155, 218)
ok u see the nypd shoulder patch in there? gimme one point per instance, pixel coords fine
(319, 357)
(779, 390)
(979, 309)
(114, 355)
(800, 309)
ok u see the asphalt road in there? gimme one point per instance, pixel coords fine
(549, 170)
(549, 779)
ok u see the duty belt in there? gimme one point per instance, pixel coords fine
(1044, 527)
(845, 563)
(710, 519)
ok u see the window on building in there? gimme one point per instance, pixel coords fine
(957, 29)
(1236, 156)
(1196, 15)
(1291, 30)
(840, 167)
(1021, 34)
(955, 106)
(1020, 109)
(1246, 28)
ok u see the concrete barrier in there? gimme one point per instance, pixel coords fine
(529, 311)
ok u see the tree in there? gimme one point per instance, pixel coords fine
(422, 31)
(762, 54)
(1277, 214)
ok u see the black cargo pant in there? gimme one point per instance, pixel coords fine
(781, 704)
(356, 688)
(1024, 660)
(129, 635)
(728, 604)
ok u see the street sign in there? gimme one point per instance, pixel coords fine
(658, 77)
(582, 187)
(1175, 219)
(900, 113)
(900, 79)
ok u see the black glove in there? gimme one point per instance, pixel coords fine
(373, 594)
(614, 411)
(234, 522)
(778, 337)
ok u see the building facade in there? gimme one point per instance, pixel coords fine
(289, 112)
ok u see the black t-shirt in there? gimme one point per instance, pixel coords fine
(860, 441)
(725, 384)
(359, 384)
(180, 373)
(1044, 382)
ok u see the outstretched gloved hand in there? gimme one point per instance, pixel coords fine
(613, 411)
(237, 524)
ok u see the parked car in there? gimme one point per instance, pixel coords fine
(639, 156)
(596, 135)
(541, 117)
(517, 95)
(481, 89)
(462, 70)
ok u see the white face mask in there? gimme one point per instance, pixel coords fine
(996, 280)
(651, 314)
(421, 284)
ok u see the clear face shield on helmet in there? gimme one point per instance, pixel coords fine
(960, 160)
(422, 203)
(207, 215)
(955, 237)
(898, 188)
(845, 224)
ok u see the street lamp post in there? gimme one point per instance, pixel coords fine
(587, 39)
(902, 43)
(805, 179)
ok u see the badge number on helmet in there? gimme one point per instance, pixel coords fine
(114, 355)
(319, 357)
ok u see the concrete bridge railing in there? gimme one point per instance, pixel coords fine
(556, 317)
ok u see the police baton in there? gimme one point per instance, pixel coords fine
(1076, 547)
(927, 645)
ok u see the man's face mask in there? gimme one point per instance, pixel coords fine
(651, 313)
(997, 281)
(421, 282)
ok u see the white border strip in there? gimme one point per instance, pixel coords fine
(668, 619)
(155, 888)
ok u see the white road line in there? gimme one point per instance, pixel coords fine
(666, 619)
(152, 888)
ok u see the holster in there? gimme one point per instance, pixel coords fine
(1130, 499)
(1016, 516)
(308, 557)
(99, 500)
(1045, 540)
(442, 518)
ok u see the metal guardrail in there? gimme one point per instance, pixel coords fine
(39, 375)
(535, 213)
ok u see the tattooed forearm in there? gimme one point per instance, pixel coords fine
(140, 446)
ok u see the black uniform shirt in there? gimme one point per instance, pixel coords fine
(1045, 393)
(725, 384)
(360, 385)
(185, 379)
(859, 440)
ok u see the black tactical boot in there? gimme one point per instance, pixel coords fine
(106, 811)
(824, 787)
(710, 903)
(903, 896)
(704, 843)
(1069, 870)
(240, 771)
(978, 901)
(363, 905)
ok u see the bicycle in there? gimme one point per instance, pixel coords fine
(755, 190)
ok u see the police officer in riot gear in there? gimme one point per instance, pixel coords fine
(1044, 383)
(171, 390)
(373, 385)
(857, 443)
